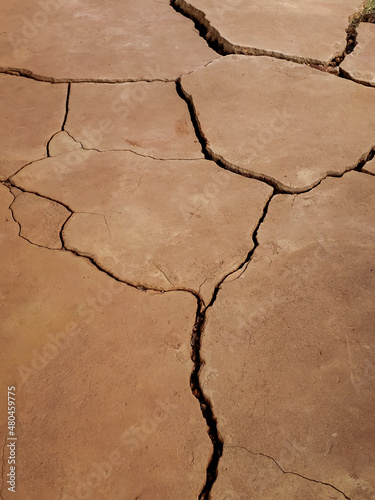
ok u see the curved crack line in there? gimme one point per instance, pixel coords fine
(288, 472)
(138, 286)
(123, 151)
(223, 46)
(221, 162)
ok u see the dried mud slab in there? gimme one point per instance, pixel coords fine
(154, 223)
(30, 113)
(360, 64)
(40, 220)
(289, 348)
(104, 407)
(279, 121)
(303, 31)
(149, 118)
(68, 40)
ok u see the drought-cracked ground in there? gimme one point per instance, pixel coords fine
(187, 249)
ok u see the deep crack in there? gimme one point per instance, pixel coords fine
(224, 47)
(279, 187)
(195, 383)
(66, 106)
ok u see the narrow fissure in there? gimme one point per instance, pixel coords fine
(204, 402)
(25, 73)
(66, 106)
(288, 472)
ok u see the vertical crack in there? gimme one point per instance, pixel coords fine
(195, 383)
(67, 106)
(205, 403)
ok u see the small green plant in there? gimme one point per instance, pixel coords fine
(367, 14)
(369, 7)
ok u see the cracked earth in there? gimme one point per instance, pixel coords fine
(187, 238)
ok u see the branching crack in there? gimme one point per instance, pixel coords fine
(224, 47)
(195, 383)
(288, 472)
(221, 162)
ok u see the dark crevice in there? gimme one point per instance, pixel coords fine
(288, 472)
(366, 172)
(66, 106)
(223, 47)
(203, 26)
(221, 162)
(195, 383)
(365, 159)
(194, 120)
(250, 254)
(204, 402)
(347, 76)
(351, 40)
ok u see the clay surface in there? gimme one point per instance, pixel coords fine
(59, 40)
(40, 219)
(306, 31)
(30, 113)
(289, 345)
(270, 119)
(187, 250)
(79, 360)
(159, 224)
(149, 118)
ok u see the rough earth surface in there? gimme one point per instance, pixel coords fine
(282, 29)
(58, 41)
(187, 238)
(285, 129)
(289, 345)
(30, 113)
